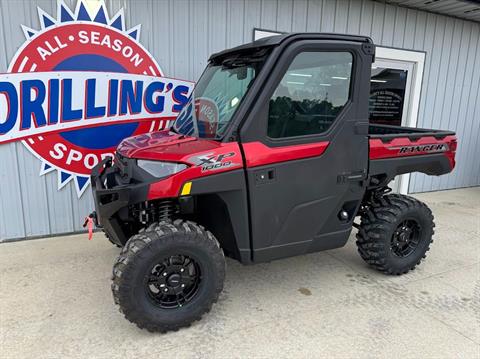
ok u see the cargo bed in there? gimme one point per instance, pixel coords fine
(386, 132)
(395, 150)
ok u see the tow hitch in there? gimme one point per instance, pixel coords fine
(90, 221)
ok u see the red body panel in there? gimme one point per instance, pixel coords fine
(204, 158)
(165, 146)
(257, 154)
(207, 157)
(403, 146)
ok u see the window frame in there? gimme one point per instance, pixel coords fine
(347, 103)
(251, 121)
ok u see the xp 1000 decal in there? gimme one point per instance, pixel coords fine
(212, 161)
(78, 86)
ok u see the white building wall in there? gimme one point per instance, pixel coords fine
(182, 34)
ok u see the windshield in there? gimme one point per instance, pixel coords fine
(216, 97)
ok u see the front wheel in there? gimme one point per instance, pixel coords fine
(395, 234)
(168, 275)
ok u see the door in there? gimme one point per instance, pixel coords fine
(390, 93)
(306, 150)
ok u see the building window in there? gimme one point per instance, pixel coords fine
(387, 95)
(310, 95)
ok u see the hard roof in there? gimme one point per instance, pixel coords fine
(278, 39)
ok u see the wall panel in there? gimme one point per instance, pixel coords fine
(181, 34)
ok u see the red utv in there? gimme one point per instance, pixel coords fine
(272, 157)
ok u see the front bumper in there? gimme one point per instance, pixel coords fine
(112, 197)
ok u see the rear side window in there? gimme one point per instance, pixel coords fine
(310, 95)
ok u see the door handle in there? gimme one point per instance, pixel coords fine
(265, 176)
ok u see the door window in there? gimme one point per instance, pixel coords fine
(310, 95)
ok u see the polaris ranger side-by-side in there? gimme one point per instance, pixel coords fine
(273, 156)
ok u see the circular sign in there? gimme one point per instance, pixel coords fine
(78, 42)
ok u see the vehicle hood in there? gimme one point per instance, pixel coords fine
(165, 146)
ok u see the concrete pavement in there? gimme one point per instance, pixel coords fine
(55, 302)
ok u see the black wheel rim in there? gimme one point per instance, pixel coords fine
(405, 239)
(173, 282)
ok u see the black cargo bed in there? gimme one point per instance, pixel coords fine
(387, 132)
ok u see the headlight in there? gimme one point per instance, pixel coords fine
(161, 169)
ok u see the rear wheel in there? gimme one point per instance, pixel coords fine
(395, 234)
(168, 275)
